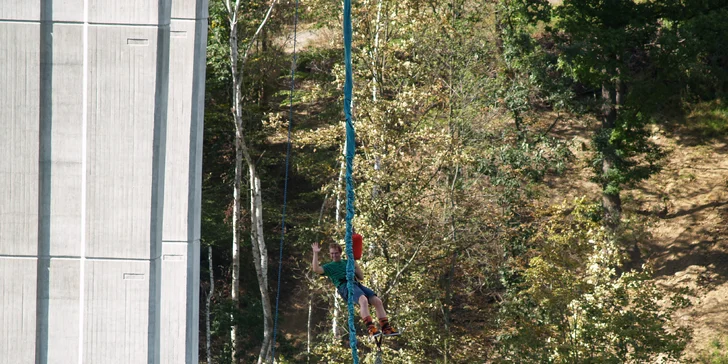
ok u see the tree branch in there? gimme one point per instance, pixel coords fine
(257, 32)
(558, 117)
(399, 273)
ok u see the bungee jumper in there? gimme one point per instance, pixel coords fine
(364, 296)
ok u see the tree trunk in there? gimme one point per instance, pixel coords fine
(447, 306)
(499, 29)
(236, 238)
(375, 77)
(308, 327)
(260, 259)
(335, 330)
(611, 201)
(208, 305)
(375, 52)
(237, 112)
(260, 255)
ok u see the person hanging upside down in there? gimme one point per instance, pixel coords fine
(336, 271)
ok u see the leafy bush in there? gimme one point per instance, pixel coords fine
(574, 307)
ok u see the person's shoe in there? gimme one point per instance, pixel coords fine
(373, 331)
(387, 329)
(371, 327)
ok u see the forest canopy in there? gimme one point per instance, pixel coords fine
(474, 121)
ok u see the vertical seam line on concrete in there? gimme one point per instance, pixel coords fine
(45, 144)
(194, 185)
(84, 132)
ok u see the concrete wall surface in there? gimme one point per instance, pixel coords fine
(100, 180)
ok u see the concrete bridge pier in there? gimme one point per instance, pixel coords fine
(101, 112)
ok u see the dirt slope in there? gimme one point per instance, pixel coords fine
(687, 206)
(684, 212)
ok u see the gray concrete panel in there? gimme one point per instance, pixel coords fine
(197, 127)
(19, 137)
(179, 129)
(121, 140)
(173, 307)
(189, 9)
(20, 10)
(65, 210)
(180, 283)
(183, 175)
(154, 328)
(67, 10)
(17, 317)
(193, 302)
(95, 110)
(116, 316)
(195, 188)
(63, 311)
(62, 10)
(140, 12)
(66, 133)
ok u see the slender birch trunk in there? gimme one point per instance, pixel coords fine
(260, 254)
(375, 52)
(233, 17)
(310, 277)
(375, 73)
(260, 260)
(308, 327)
(208, 306)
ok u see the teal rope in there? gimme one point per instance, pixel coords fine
(285, 184)
(350, 149)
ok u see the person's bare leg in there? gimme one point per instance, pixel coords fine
(378, 306)
(364, 306)
(387, 329)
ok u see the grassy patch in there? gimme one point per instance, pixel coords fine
(709, 119)
(717, 353)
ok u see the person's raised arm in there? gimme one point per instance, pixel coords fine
(315, 266)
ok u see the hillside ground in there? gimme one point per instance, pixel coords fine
(683, 212)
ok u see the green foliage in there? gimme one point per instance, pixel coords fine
(628, 146)
(615, 64)
(708, 120)
(453, 184)
(454, 106)
(326, 353)
(717, 353)
(637, 54)
(574, 306)
(264, 74)
(426, 65)
(528, 79)
(702, 33)
(514, 168)
(617, 26)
